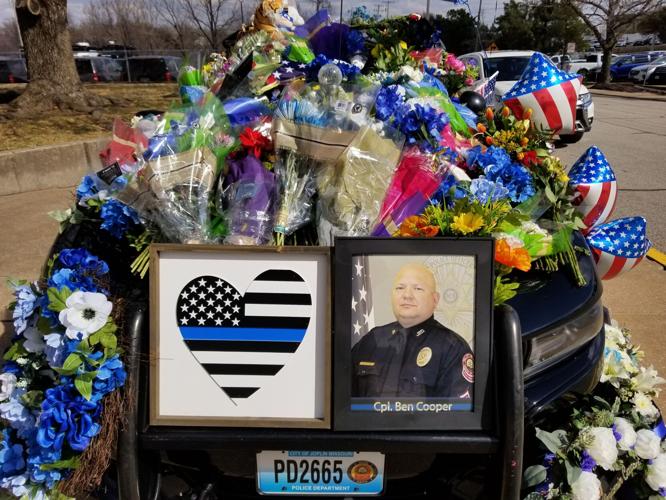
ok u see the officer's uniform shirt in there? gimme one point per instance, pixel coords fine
(426, 360)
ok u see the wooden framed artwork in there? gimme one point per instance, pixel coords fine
(240, 336)
(413, 333)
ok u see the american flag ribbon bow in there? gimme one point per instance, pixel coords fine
(549, 92)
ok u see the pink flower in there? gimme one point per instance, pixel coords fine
(454, 64)
(469, 81)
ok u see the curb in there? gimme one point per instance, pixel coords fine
(643, 96)
(48, 167)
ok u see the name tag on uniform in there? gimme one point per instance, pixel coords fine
(366, 363)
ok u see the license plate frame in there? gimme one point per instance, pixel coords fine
(349, 473)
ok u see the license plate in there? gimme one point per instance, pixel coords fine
(320, 473)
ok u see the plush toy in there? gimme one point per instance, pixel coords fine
(277, 15)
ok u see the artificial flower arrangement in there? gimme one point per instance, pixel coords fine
(317, 139)
(611, 439)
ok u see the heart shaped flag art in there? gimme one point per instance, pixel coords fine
(241, 341)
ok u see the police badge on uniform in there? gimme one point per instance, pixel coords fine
(424, 356)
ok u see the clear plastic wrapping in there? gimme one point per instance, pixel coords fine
(352, 189)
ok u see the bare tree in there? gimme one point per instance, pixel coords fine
(209, 17)
(607, 19)
(54, 80)
(171, 13)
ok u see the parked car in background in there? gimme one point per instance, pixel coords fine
(98, 69)
(620, 69)
(13, 70)
(643, 74)
(510, 64)
(153, 68)
(561, 61)
(589, 64)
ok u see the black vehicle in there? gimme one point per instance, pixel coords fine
(13, 71)
(153, 68)
(99, 69)
(562, 343)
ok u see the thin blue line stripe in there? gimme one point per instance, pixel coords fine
(242, 334)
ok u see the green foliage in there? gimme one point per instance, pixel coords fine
(67, 217)
(84, 384)
(554, 441)
(504, 290)
(70, 463)
(534, 475)
(58, 298)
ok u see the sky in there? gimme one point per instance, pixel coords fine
(490, 8)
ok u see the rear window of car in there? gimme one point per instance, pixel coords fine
(83, 65)
(173, 65)
(641, 59)
(509, 68)
(591, 59)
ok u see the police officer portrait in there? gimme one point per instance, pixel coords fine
(412, 333)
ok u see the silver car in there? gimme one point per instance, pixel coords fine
(643, 74)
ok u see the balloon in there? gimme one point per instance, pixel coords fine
(594, 181)
(618, 246)
(473, 101)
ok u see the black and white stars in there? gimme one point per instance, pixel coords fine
(209, 301)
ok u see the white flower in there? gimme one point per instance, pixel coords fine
(647, 379)
(34, 342)
(533, 228)
(627, 433)
(86, 313)
(413, 74)
(643, 405)
(617, 367)
(614, 335)
(7, 385)
(604, 447)
(647, 444)
(656, 473)
(586, 487)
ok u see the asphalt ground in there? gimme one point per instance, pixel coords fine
(629, 131)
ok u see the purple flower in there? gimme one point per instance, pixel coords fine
(118, 218)
(587, 463)
(618, 436)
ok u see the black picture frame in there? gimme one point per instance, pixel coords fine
(480, 416)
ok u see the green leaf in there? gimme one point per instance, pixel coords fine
(83, 384)
(33, 399)
(534, 475)
(573, 473)
(551, 440)
(70, 463)
(43, 325)
(60, 215)
(550, 195)
(109, 341)
(72, 362)
(603, 403)
(15, 351)
(57, 299)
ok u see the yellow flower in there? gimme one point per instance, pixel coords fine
(467, 223)
(403, 45)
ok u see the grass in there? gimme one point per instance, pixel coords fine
(57, 127)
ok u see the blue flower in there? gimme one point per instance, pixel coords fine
(110, 376)
(449, 191)
(514, 177)
(587, 463)
(355, 43)
(87, 188)
(17, 415)
(484, 191)
(26, 301)
(39, 456)
(388, 100)
(493, 156)
(16, 484)
(55, 349)
(11, 367)
(82, 260)
(118, 218)
(71, 279)
(11, 456)
(67, 415)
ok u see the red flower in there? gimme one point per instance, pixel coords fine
(529, 158)
(254, 142)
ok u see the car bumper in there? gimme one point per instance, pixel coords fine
(584, 117)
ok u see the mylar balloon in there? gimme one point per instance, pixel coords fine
(473, 101)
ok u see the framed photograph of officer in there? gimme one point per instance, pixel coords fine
(412, 333)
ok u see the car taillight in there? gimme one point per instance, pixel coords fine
(11, 78)
(168, 76)
(95, 77)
